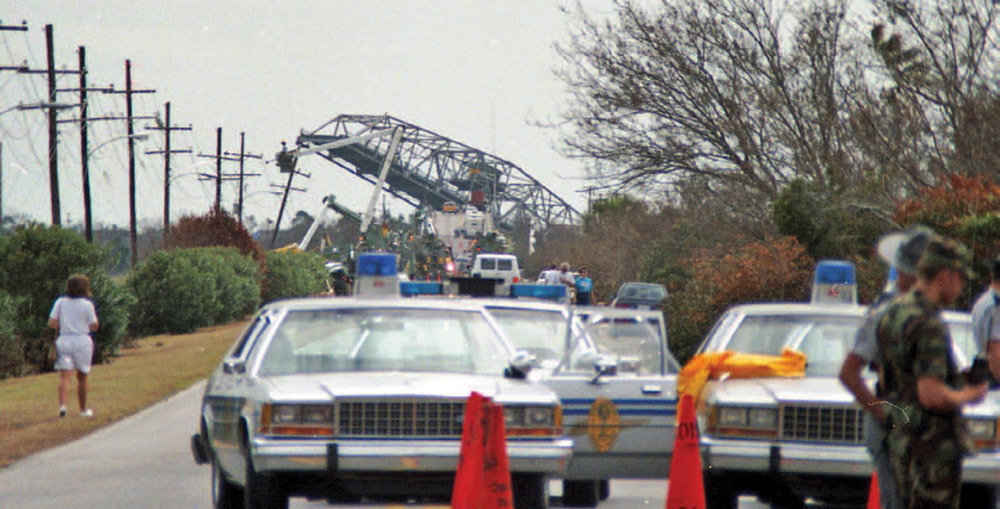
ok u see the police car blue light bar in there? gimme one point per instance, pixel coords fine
(834, 282)
(415, 288)
(550, 292)
(376, 264)
(376, 275)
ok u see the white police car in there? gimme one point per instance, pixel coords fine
(365, 395)
(788, 440)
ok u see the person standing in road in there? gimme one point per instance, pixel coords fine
(73, 316)
(902, 251)
(584, 287)
(986, 322)
(551, 275)
(928, 437)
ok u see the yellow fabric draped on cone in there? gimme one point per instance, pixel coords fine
(790, 364)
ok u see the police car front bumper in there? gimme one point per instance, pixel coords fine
(785, 458)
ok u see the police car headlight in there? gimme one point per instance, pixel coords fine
(284, 414)
(533, 420)
(763, 418)
(744, 422)
(729, 417)
(513, 416)
(540, 416)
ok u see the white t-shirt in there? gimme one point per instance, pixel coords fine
(75, 315)
(552, 277)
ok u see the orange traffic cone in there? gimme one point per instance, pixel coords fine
(873, 494)
(482, 480)
(687, 489)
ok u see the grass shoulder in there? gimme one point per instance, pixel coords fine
(153, 369)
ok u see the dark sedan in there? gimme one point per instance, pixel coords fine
(640, 296)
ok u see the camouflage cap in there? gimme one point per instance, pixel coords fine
(947, 253)
(904, 249)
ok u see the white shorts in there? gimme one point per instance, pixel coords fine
(74, 352)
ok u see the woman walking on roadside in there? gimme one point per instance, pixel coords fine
(74, 317)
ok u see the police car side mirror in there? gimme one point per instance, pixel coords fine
(232, 366)
(605, 365)
(520, 365)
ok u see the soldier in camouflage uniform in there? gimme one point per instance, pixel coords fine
(923, 385)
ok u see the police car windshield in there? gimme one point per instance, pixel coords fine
(825, 340)
(376, 339)
(542, 333)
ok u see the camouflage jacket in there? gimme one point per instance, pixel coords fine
(914, 342)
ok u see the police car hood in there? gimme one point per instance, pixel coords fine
(375, 385)
(763, 391)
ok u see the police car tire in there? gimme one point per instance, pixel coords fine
(261, 491)
(530, 490)
(719, 493)
(581, 493)
(225, 495)
(604, 489)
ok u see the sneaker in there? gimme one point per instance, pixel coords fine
(62, 411)
(88, 413)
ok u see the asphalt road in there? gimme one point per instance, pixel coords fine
(145, 461)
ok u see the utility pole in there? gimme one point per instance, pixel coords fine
(286, 164)
(243, 174)
(53, 132)
(84, 122)
(130, 134)
(88, 227)
(220, 176)
(167, 128)
(23, 27)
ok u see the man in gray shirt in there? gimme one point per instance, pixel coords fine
(986, 322)
(902, 251)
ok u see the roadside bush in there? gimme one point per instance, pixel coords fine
(293, 274)
(170, 295)
(11, 349)
(236, 281)
(35, 262)
(776, 270)
(181, 290)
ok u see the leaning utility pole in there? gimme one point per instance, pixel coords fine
(286, 164)
(167, 129)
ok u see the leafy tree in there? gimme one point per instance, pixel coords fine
(294, 274)
(965, 208)
(36, 261)
(775, 270)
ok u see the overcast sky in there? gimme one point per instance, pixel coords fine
(475, 71)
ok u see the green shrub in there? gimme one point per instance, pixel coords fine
(11, 349)
(294, 274)
(113, 302)
(170, 294)
(178, 291)
(35, 262)
(236, 281)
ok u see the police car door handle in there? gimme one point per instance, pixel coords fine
(652, 389)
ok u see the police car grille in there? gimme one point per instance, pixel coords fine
(400, 418)
(814, 423)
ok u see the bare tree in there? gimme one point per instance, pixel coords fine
(720, 93)
(942, 59)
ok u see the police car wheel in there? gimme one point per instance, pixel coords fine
(581, 493)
